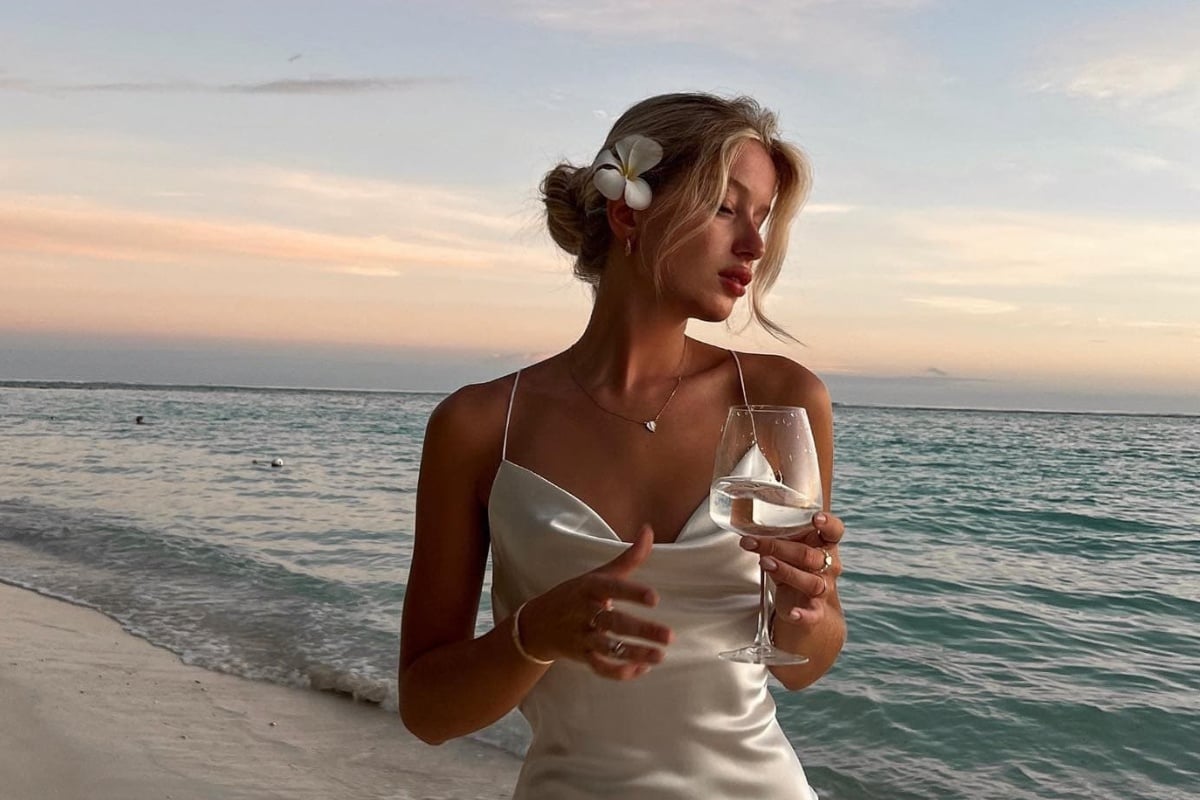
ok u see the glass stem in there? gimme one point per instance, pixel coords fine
(763, 638)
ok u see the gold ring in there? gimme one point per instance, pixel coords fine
(828, 562)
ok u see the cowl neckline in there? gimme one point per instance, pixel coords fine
(698, 527)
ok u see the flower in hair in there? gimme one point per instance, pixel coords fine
(620, 174)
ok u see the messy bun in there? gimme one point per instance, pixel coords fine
(575, 215)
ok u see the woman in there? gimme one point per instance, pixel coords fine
(587, 476)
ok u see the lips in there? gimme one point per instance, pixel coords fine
(736, 279)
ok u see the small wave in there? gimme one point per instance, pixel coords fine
(327, 678)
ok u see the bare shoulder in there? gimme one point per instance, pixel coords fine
(777, 380)
(473, 404)
(468, 425)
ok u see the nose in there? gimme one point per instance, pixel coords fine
(749, 244)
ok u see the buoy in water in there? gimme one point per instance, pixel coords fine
(278, 462)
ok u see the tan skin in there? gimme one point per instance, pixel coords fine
(645, 486)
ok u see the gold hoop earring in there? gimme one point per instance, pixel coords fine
(629, 247)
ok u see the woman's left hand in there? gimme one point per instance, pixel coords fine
(804, 565)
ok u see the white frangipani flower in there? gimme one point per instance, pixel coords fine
(620, 175)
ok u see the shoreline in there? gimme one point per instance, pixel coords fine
(92, 711)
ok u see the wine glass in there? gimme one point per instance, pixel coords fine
(766, 482)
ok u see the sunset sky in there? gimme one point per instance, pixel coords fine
(1006, 210)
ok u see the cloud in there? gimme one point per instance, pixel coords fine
(452, 205)
(430, 213)
(1144, 64)
(63, 228)
(1131, 77)
(859, 37)
(372, 272)
(1138, 160)
(965, 305)
(955, 247)
(1175, 328)
(326, 86)
(335, 85)
(828, 208)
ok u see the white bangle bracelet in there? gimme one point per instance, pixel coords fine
(516, 637)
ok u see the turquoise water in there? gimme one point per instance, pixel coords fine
(1022, 589)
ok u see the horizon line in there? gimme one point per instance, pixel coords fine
(116, 385)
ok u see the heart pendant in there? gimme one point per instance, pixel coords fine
(651, 425)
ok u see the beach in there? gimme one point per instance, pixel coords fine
(88, 710)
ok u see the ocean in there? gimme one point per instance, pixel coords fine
(1022, 589)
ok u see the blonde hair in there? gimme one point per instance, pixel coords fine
(701, 136)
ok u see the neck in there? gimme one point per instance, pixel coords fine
(630, 343)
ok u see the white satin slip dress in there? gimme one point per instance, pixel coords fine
(695, 726)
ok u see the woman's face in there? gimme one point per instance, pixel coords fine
(714, 268)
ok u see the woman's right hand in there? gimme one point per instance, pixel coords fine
(576, 619)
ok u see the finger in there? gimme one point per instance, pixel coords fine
(612, 653)
(623, 667)
(633, 556)
(805, 582)
(596, 623)
(615, 670)
(798, 609)
(615, 648)
(628, 625)
(795, 554)
(602, 589)
(811, 613)
(829, 527)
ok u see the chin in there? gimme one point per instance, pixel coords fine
(713, 313)
(709, 309)
(712, 317)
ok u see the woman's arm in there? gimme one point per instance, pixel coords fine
(452, 683)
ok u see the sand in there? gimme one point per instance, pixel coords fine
(90, 711)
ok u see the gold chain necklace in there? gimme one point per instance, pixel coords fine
(649, 424)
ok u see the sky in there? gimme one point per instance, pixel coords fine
(1005, 211)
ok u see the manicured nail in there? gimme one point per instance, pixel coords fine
(749, 543)
(794, 614)
(768, 563)
(819, 518)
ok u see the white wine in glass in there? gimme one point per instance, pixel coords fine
(766, 482)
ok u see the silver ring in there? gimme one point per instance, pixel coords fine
(616, 647)
(827, 563)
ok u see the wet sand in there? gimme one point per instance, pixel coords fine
(90, 711)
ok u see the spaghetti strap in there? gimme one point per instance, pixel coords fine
(741, 377)
(508, 417)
